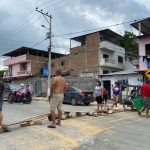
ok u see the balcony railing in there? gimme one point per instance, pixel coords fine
(24, 72)
(106, 62)
(111, 47)
(15, 60)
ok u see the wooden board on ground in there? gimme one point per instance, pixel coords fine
(5, 129)
(35, 120)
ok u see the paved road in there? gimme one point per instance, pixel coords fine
(119, 131)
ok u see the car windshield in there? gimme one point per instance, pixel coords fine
(14, 87)
(77, 90)
(73, 90)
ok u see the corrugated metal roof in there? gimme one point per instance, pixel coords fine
(32, 51)
(106, 33)
(132, 71)
(145, 25)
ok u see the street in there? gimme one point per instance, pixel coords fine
(118, 131)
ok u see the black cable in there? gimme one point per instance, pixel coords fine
(71, 33)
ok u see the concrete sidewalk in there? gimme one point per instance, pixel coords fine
(37, 98)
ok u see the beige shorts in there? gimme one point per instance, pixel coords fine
(56, 102)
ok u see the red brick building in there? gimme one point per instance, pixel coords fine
(96, 54)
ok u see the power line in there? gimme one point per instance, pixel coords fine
(34, 45)
(19, 23)
(97, 10)
(71, 33)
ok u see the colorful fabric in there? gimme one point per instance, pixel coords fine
(116, 91)
(145, 90)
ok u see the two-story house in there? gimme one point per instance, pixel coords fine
(24, 62)
(143, 27)
(97, 53)
(25, 65)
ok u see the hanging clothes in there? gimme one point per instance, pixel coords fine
(148, 60)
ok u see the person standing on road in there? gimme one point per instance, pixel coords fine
(57, 96)
(116, 92)
(105, 95)
(1, 103)
(98, 94)
(23, 92)
(145, 93)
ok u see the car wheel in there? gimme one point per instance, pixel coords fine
(86, 103)
(73, 101)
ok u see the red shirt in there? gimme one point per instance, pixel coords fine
(145, 90)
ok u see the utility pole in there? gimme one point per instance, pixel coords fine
(49, 36)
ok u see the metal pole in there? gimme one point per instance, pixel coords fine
(49, 61)
(49, 50)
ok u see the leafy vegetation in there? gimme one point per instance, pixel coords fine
(130, 42)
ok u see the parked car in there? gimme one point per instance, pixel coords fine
(75, 96)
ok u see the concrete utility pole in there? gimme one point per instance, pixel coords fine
(49, 36)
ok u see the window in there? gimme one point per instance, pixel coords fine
(120, 59)
(147, 49)
(23, 66)
(105, 56)
(105, 71)
(62, 63)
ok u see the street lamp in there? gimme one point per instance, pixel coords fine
(44, 27)
(45, 15)
(48, 36)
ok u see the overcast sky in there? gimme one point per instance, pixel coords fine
(20, 24)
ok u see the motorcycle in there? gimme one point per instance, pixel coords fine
(17, 96)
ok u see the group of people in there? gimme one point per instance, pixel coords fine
(24, 90)
(101, 95)
(59, 85)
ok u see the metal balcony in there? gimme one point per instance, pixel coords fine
(105, 62)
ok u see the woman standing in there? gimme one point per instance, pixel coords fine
(116, 91)
(98, 94)
(105, 95)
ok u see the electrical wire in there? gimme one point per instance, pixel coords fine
(97, 10)
(72, 33)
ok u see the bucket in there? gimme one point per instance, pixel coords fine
(138, 102)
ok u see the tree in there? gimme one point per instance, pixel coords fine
(130, 42)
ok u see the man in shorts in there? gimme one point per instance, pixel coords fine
(57, 96)
(145, 93)
(98, 94)
(1, 103)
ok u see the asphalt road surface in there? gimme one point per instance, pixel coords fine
(118, 131)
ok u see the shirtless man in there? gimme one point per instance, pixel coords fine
(57, 94)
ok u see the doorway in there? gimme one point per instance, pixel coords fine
(107, 85)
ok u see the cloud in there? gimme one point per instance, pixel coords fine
(21, 24)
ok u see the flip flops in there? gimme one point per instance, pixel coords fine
(51, 126)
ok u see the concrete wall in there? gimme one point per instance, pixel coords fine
(38, 85)
(82, 59)
(133, 79)
(34, 64)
